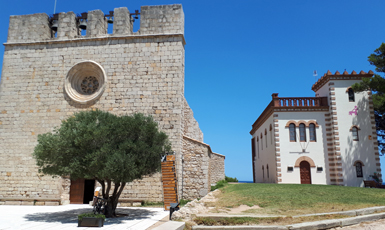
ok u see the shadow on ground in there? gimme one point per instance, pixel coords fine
(71, 216)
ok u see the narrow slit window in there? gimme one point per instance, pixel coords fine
(266, 137)
(359, 169)
(351, 94)
(292, 132)
(355, 133)
(271, 134)
(258, 146)
(302, 132)
(263, 172)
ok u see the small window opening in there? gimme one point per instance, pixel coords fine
(263, 172)
(355, 133)
(351, 94)
(359, 169)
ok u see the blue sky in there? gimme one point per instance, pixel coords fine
(240, 52)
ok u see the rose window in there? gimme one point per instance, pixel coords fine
(89, 85)
(85, 82)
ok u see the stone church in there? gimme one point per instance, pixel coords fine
(51, 71)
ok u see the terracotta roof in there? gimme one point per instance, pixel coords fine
(338, 76)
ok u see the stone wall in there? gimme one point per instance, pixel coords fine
(33, 27)
(190, 126)
(196, 182)
(139, 72)
(144, 74)
(164, 19)
(217, 167)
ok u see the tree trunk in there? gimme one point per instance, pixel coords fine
(112, 201)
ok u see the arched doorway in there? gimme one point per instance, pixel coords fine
(305, 172)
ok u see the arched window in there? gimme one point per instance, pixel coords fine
(351, 94)
(263, 172)
(359, 169)
(355, 133)
(302, 132)
(267, 170)
(292, 132)
(261, 142)
(312, 132)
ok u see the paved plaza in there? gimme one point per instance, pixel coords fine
(65, 217)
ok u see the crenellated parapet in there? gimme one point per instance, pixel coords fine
(338, 76)
(154, 20)
(123, 22)
(164, 19)
(32, 27)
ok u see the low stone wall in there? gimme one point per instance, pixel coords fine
(195, 169)
(201, 168)
(149, 188)
(217, 167)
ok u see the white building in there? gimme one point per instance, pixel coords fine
(327, 139)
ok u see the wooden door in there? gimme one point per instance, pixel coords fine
(77, 191)
(305, 172)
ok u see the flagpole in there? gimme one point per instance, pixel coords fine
(54, 8)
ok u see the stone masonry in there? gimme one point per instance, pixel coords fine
(143, 72)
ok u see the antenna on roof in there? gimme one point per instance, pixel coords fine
(315, 75)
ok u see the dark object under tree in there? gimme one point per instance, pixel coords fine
(113, 150)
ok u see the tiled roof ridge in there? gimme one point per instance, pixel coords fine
(329, 74)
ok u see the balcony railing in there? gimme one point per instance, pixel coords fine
(300, 101)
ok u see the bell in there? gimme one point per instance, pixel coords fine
(110, 20)
(54, 25)
(83, 25)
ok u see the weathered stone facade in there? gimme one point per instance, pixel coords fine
(198, 168)
(217, 168)
(144, 72)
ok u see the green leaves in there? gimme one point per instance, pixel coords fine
(378, 58)
(98, 144)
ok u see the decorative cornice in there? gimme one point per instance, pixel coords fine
(337, 76)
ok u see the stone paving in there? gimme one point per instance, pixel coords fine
(65, 217)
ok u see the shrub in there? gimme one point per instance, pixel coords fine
(220, 184)
(81, 216)
(230, 179)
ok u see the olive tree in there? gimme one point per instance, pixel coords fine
(113, 150)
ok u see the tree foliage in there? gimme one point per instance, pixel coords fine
(99, 145)
(377, 85)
